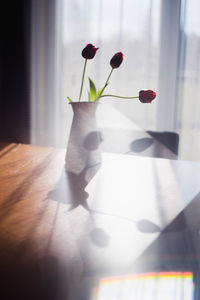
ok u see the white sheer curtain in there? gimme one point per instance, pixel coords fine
(161, 44)
(113, 25)
(45, 72)
(188, 115)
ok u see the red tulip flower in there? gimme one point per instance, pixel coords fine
(117, 60)
(94, 95)
(147, 96)
(89, 51)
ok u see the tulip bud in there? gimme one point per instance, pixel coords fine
(89, 51)
(117, 60)
(147, 96)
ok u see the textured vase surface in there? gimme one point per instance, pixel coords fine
(83, 149)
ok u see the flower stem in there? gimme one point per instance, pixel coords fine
(120, 96)
(108, 78)
(82, 80)
(105, 84)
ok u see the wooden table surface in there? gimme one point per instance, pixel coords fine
(57, 229)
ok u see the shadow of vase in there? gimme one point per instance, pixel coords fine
(83, 150)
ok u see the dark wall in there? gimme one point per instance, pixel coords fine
(14, 71)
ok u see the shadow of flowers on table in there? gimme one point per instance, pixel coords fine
(99, 237)
(147, 226)
(70, 190)
(141, 145)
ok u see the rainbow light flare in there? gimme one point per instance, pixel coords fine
(147, 286)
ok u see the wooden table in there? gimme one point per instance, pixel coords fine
(60, 232)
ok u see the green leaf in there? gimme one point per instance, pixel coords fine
(100, 92)
(92, 95)
(70, 100)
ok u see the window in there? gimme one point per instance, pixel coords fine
(160, 41)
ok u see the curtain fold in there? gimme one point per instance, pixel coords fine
(45, 72)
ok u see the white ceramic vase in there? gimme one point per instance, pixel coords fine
(83, 149)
